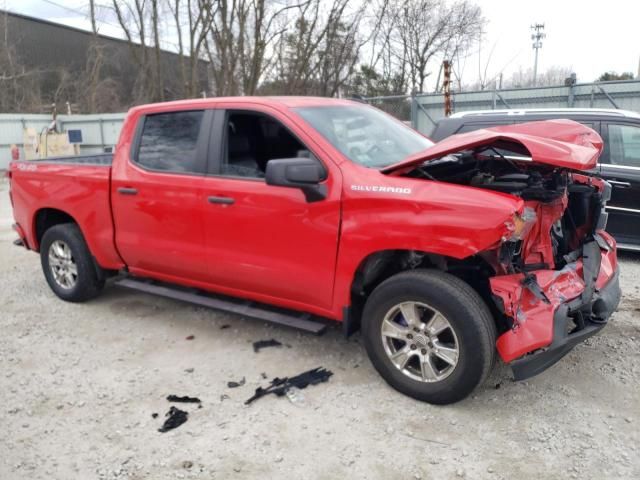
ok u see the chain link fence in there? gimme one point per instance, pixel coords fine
(399, 106)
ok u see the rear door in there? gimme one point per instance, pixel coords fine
(262, 241)
(621, 168)
(156, 195)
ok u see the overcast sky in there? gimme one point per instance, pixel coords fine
(588, 36)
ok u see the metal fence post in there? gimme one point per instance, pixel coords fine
(414, 111)
(102, 145)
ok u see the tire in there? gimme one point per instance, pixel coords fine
(427, 376)
(70, 254)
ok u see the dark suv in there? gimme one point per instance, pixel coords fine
(619, 163)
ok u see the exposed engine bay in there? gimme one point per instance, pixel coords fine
(562, 208)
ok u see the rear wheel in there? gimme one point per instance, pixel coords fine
(68, 266)
(429, 335)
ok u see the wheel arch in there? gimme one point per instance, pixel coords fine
(47, 217)
(378, 266)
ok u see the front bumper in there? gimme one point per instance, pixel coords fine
(565, 336)
(553, 310)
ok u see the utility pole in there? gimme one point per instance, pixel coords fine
(537, 37)
(446, 88)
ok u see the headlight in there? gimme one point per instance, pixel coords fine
(520, 225)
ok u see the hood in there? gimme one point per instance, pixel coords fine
(560, 143)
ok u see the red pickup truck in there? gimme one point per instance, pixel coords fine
(296, 210)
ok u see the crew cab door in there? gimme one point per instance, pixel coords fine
(268, 242)
(621, 168)
(156, 196)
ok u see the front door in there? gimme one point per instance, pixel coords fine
(157, 196)
(268, 242)
(621, 168)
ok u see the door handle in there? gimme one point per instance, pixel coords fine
(127, 191)
(221, 200)
(616, 183)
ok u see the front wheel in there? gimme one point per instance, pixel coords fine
(68, 265)
(429, 335)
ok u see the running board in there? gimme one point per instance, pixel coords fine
(246, 308)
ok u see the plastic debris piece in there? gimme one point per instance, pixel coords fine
(280, 386)
(260, 344)
(185, 399)
(175, 418)
(225, 326)
(190, 337)
(295, 396)
(233, 384)
(154, 415)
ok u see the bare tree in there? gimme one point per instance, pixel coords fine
(19, 86)
(554, 75)
(192, 23)
(242, 33)
(133, 18)
(420, 33)
(319, 54)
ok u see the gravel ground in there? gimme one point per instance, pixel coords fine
(79, 384)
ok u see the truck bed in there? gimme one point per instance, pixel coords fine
(104, 159)
(78, 186)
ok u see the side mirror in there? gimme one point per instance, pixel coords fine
(303, 173)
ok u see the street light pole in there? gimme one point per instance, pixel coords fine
(537, 37)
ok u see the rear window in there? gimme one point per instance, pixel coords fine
(169, 142)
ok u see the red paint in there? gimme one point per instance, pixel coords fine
(537, 247)
(533, 318)
(273, 246)
(562, 143)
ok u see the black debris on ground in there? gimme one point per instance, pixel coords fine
(175, 418)
(190, 337)
(280, 386)
(154, 415)
(225, 326)
(233, 384)
(260, 344)
(263, 375)
(185, 399)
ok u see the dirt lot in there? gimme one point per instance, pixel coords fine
(78, 385)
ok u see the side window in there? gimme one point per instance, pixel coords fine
(252, 140)
(169, 142)
(623, 145)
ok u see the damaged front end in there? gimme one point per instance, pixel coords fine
(554, 273)
(558, 284)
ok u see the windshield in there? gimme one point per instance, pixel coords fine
(364, 134)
